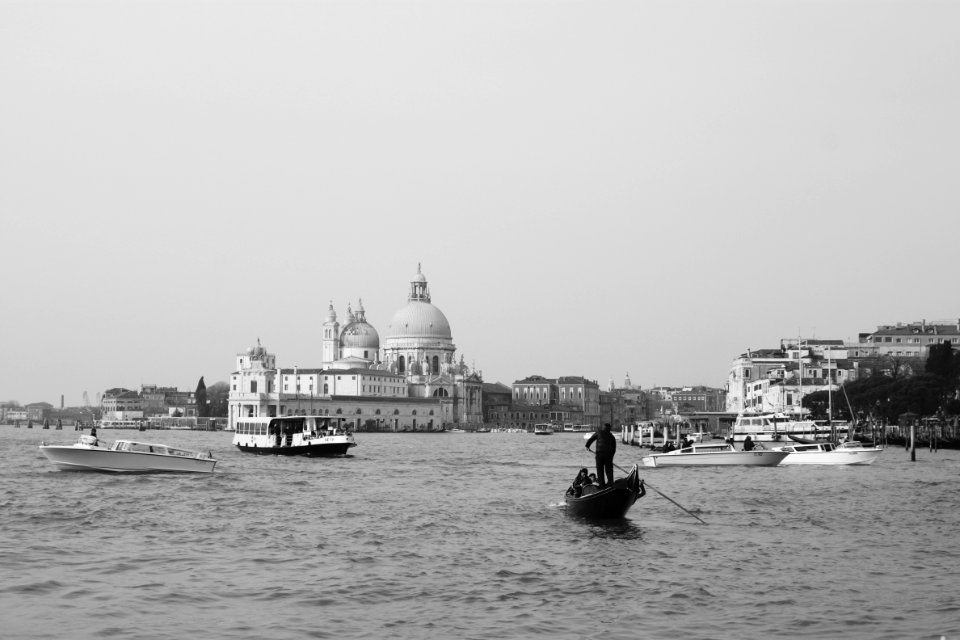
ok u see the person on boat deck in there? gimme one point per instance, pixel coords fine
(748, 444)
(606, 449)
(686, 443)
(93, 434)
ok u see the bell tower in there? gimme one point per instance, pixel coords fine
(331, 336)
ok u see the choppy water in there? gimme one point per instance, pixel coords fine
(461, 536)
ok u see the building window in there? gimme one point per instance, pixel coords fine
(253, 386)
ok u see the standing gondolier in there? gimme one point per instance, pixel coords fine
(606, 448)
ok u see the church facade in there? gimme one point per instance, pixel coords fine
(412, 382)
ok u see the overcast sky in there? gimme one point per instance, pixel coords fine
(592, 188)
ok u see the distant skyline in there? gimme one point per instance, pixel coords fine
(592, 189)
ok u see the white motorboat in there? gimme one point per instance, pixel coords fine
(827, 453)
(713, 454)
(856, 445)
(127, 456)
(293, 436)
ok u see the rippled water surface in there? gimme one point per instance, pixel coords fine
(463, 536)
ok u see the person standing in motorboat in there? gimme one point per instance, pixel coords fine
(606, 448)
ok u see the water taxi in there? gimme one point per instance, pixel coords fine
(127, 456)
(827, 453)
(713, 454)
(293, 436)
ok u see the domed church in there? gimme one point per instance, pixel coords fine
(416, 385)
(418, 337)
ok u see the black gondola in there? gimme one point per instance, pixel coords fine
(609, 503)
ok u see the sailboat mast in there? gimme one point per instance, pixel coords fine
(829, 391)
(800, 386)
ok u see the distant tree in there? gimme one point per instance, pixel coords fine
(940, 360)
(819, 403)
(201, 397)
(218, 395)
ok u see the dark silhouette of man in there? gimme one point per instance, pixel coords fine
(606, 448)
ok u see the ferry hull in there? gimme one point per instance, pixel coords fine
(311, 450)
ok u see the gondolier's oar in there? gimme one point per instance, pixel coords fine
(665, 496)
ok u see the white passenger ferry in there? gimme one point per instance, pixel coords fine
(293, 436)
(778, 427)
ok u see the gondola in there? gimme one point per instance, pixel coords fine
(609, 503)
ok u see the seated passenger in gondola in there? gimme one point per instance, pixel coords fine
(576, 489)
(590, 485)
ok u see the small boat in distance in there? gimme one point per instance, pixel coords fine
(712, 455)
(120, 424)
(610, 503)
(543, 429)
(827, 453)
(312, 436)
(127, 456)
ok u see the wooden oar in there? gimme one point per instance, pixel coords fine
(664, 495)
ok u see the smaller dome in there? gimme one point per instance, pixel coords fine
(359, 335)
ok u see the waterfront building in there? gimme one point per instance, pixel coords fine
(496, 402)
(151, 400)
(414, 383)
(572, 400)
(38, 411)
(121, 404)
(771, 379)
(775, 380)
(902, 348)
(167, 401)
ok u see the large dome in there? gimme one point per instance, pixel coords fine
(419, 319)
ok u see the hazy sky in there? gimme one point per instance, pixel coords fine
(592, 188)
